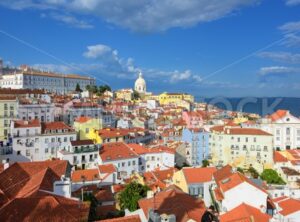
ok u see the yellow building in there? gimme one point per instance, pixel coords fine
(85, 125)
(174, 98)
(8, 112)
(241, 147)
(239, 120)
(124, 94)
(180, 181)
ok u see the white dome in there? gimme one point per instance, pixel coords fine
(140, 84)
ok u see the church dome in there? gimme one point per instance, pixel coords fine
(140, 84)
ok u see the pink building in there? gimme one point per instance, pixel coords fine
(193, 119)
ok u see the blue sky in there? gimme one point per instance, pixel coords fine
(205, 47)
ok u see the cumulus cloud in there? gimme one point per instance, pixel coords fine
(281, 57)
(142, 15)
(96, 51)
(292, 2)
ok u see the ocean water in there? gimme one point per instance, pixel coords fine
(261, 106)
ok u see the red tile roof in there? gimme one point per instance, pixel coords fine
(107, 168)
(134, 218)
(55, 126)
(116, 151)
(159, 178)
(44, 207)
(25, 124)
(222, 173)
(143, 150)
(85, 175)
(83, 119)
(278, 114)
(288, 206)
(234, 180)
(26, 178)
(278, 157)
(245, 213)
(240, 131)
(174, 201)
(198, 174)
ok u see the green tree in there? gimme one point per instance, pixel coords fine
(136, 95)
(130, 196)
(205, 163)
(78, 89)
(88, 87)
(271, 177)
(253, 172)
(239, 169)
(104, 88)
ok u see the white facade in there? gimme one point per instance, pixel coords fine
(125, 167)
(82, 156)
(31, 144)
(43, 80)
(285, 130)
(161, 160)
(244, 193)
(41, 111)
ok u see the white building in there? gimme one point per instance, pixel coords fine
(234, 189)
(285, 129)
(122, 157)
(40, 110)
(28, 78)
(82, 154)
(154, 158)
(35, 141)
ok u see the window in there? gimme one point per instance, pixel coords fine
(288, 131)
(18, 152)
(254, 139)
(27, 152)
(133, 163)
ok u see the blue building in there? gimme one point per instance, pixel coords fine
(199, 140)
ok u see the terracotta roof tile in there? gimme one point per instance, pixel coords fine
(44, 207)
(198, 174)
(168, 202)
(245, 213)
(85, 175)
(115, 151)
(107, 168)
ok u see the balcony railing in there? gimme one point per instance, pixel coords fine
(86, 150)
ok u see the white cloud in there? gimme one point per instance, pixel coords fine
(290, 27)
(96, 51)
(177, 76)
(281, 56)
(291, 40)
(70, 20)
(292, 2)
(278, 70)
(142, 15)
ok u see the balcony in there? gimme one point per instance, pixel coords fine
(87, 150)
